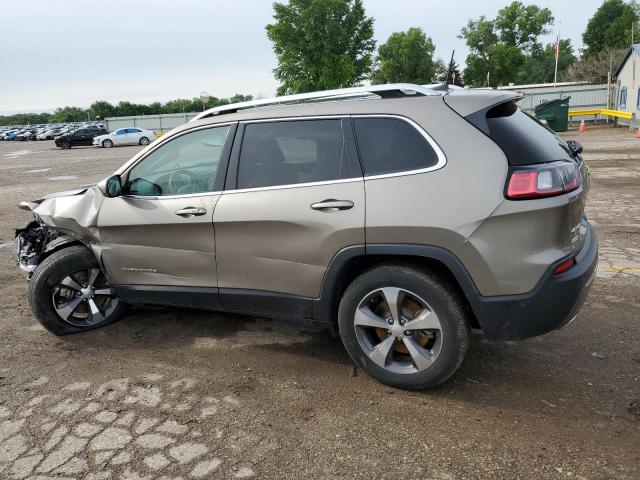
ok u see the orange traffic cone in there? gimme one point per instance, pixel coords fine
(583, 127)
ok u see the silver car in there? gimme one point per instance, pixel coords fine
(400, 216)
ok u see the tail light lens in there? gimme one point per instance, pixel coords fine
(544, 180)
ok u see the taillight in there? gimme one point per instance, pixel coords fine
(544, 180)
(564, 266)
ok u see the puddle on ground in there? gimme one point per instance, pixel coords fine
(62, 177)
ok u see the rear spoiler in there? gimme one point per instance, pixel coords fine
(473, 105)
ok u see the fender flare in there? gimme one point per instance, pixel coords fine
(323, 308)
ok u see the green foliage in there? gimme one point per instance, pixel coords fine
(99, 110)
(610, 26)
(405, 57)
(69, 114)
(539, 66)
(499, 48)
(321, 44)
(594, 68)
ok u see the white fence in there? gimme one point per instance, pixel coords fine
(162, 122)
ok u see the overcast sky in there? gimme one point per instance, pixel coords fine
(77, 51)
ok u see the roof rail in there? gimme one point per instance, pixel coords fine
(393, 90)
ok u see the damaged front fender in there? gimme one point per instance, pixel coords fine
(60, 218)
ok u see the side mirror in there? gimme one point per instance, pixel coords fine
(113, 187)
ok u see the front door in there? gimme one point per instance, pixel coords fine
(160, 231)
(296, 199)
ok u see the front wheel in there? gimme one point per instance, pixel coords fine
(65, 145)
(403, 326)
(68, 293)
(144, 141)
(107, 144)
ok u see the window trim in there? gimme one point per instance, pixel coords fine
(442, 158)
(232, 189)
(222, 166)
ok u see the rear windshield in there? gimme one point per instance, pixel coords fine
(524, 139)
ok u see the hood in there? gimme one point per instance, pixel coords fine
(73, 212)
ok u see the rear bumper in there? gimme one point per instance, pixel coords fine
(553, 304)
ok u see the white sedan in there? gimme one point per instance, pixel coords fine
(125, 136)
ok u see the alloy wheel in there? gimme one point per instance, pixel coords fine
(84, 298)
(398, 330)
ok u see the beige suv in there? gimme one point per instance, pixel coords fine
(401, 215)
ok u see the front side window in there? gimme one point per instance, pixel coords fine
(185, 165)
(292, 152)
(391, 145)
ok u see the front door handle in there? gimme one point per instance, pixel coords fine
(191, 212)
(331, 205)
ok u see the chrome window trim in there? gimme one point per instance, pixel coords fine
(292, 185)
(168, 197)
(442, 159)
(128, 168)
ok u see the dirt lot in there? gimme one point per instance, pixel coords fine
(183, 394)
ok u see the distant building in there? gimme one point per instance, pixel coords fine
(626, 80)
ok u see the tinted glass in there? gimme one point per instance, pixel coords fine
(284, 153)
(132, 130)
(187, 164)
(390, 145)
(523, 139)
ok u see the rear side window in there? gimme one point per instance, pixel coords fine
(391, 145)
(292, 152)
(522, 138)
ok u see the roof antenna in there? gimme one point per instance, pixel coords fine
(445, 86)
(450, 71)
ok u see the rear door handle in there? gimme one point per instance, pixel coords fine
(191, 212)
(332, 205)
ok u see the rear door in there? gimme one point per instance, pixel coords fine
(133, 136)
(294, 198)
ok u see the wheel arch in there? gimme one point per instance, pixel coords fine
(352, 261)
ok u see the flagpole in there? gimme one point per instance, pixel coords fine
(555, 73)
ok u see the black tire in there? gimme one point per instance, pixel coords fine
(65, 145)
(107, 143)
(50, 273)
(447, 306)
(144, 141)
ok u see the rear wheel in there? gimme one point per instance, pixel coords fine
(144, 141)
(69, 293)
(65, 145)
(107, 143)
(403, 326)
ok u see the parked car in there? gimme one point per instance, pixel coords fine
(25, 135)
(49, 134)
(474, 219)
(82, 136)
(125, 136)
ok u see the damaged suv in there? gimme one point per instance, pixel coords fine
(400, 216)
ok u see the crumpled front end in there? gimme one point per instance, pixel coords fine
(59, 219)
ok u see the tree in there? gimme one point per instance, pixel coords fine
(406, 57)
(321, 44)
(499, 48)
(610, 26)
(594, 68)
(102, 109)
(69, 114)
(442, 70)
(539, 67)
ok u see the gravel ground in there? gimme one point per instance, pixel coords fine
(172, 393)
